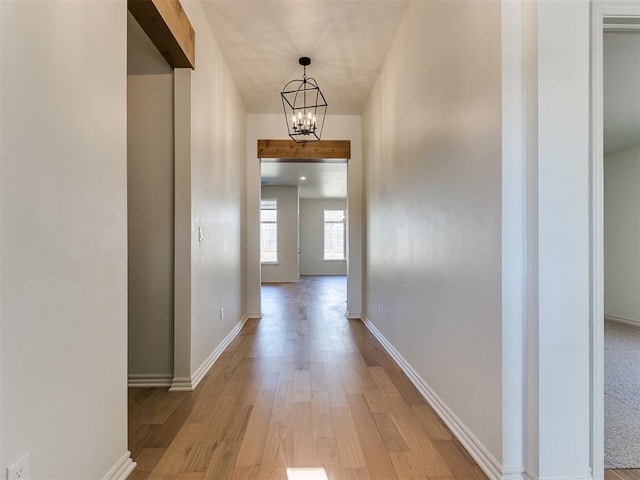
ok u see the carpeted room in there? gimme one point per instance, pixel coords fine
(622, 249)
(622, 395)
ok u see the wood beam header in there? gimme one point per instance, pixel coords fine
(167, 26)
(290, 150)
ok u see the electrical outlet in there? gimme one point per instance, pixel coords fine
(19, 470)
(221, 313)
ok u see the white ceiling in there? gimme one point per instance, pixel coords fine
(621, 91)
(346, 40)
(323, 180)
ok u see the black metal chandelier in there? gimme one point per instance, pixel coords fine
(304, 107)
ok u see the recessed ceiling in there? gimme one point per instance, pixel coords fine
(621, 91)
(323, 180)
(346, 40)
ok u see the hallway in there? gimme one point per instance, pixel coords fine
(302, 387)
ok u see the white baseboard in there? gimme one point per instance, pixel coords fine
(122, 468)
(565, 478)
(353, 315)
(182, 384)
(136, 380)
(486, 461)
(513, 473)
(254, 315)
(628, 321)
(189, 384)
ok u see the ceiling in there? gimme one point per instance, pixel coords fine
(323, 180)
(346, 40)
(621, 91)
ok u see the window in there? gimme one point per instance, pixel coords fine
(334, 235)
(268, 230)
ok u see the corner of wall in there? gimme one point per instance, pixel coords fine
(182, 206)
(189, 383)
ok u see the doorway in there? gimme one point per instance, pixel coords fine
(282, 152)
(607, 19)
(621, 167)
(150, 208)
(303, 218)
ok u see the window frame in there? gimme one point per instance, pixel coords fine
(274, 203)
(324, 234)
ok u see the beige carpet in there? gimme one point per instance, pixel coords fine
(621, 395)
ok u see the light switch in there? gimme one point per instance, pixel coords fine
(200, 234)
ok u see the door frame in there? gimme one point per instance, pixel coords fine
(602, 13)
(323, 151)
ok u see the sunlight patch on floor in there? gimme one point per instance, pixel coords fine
(306, 474)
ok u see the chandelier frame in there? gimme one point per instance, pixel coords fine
(304, 107)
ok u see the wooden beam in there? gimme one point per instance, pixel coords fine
(289, 150)
(168, 27)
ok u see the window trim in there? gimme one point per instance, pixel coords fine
(274, 203)
(344, 234)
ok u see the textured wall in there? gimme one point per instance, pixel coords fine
(622, 234)
(63, 188)
(150, 192)
(286, 268)
(432, 157)
(218, 174)
(312, 238)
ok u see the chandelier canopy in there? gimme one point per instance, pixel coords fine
(304, 107)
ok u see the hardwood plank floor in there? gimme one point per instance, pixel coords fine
(622, 474)
(301, 387)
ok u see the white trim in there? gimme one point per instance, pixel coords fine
(529, 475)
(197, 376)
(514, 235)
(513, 473)
(189, 384)
(136, 380)
(121, 470)
(256, 316)
(621, 28)
(182, 384)
(627, 321)
(601, 10)
(353, 315)
(485, 460)
(565, 478)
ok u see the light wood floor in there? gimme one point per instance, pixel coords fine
(302, 387)
(622, 474)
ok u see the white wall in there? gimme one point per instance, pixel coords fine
(150, 180)
(622, 235)
(563, 238)
(217, 192)
(336, 127)
(2, 462)
(64, 236)
(553, 78)
(518, 133)
(286, 268)
(432, 156)
(530, 150)
(312, 238)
